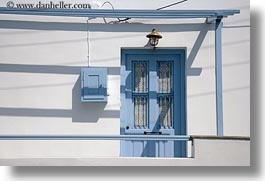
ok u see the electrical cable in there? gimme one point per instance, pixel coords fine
(120, 20)
(107, 2)
(164, 7)
(88, 44)
(173, 4)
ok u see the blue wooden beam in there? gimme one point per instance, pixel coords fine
(218, 76)
(96, 137)
(122, 13)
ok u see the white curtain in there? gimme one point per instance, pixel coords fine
(140, 86)
(165, 86)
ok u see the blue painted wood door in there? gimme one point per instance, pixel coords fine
(153, 101)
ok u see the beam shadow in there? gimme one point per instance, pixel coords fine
(80, 112)
(245, 62)
(98, 27)
(97, 111)
(32, 112)
(123, 27)
(213, 92)
(190, 71)
(36, 86)
(62, 42)
(49, 69)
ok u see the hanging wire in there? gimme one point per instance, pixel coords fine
(164, 7)
(88, 44)
(125, 19)
(173, 4)
(107, 2)
(119, 20)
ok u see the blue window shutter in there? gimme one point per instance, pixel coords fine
(94, 84)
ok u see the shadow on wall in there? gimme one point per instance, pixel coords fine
(191, 71)
(203, 28)
(49, 69)
(94, 27)
(89, 112)
(81, 112)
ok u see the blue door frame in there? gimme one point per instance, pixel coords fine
(151, 58)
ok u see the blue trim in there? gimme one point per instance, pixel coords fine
(89, 94)
(95, 137)
(122, 13)
(218, 77)
(165, 94)
(183, 100)
(140, 94)
(153, 87)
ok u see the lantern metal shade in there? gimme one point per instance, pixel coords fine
(154, 37)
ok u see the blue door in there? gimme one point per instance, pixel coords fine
(153, 101)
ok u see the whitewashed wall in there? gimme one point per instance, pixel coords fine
(41, 57)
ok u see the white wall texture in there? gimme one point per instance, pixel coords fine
(41, 57)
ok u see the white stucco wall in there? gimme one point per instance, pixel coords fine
(41, 57)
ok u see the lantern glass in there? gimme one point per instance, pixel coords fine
(154, 41)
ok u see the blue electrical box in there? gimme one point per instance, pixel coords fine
(94, 84)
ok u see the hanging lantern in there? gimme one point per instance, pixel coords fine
(154, 37)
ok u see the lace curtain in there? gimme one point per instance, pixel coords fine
(165, 88)
(140, 86)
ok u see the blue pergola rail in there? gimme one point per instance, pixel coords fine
(122, 13)
(97, 137)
